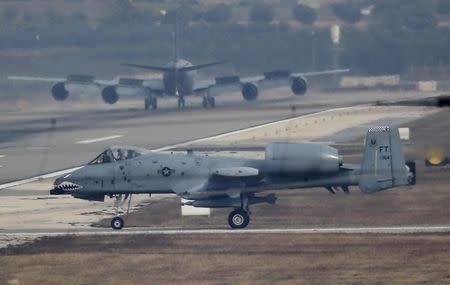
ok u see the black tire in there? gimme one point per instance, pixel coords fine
(181, 103)
(117, 223)
(212, 102)
(238, 219)
(205, 102)
(146, 103)
(154, 103)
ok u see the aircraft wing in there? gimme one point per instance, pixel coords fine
(233, 172)
(269, 80)
(36, 79)
(156, 85)
(202, 85)
(226, 177)
(105, 82)
(85, 79)
(323, 72)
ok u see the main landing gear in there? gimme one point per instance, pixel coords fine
(240, 217)
(208, 102)
(181, 102)
(151, 102)
(117, 222)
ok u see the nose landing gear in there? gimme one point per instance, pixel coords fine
(117, 222)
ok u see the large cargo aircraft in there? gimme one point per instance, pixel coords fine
(179, 79)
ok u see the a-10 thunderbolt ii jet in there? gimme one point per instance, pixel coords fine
(220, 182)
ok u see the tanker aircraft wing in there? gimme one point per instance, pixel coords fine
(250, 87)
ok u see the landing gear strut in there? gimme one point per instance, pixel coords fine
(151, 101)
(209, 102)
(240, 217)
(181, 102)
(117, 222)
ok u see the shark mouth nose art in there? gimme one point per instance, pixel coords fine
(68, 186)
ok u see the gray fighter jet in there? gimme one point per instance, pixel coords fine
(221, 182)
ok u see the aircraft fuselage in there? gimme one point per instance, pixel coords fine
(181, 81)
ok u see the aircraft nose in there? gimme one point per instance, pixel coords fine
(63, 186)
(56, 190)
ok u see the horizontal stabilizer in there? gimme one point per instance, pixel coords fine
(172, 69)
(200, 66)
(149, 67)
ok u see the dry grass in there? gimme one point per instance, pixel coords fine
(232, 259)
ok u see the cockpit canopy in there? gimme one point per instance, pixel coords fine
(118, 153)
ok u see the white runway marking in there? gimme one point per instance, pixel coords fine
(1, 156)
(159, 231)
(99, 139)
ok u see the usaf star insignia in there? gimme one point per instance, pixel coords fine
(166, 171)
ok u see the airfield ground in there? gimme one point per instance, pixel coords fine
(231, 259)
(261, 258)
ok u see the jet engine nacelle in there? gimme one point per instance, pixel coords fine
(110, 95)
(250, 91)
(301, 158)
(59, 92)
(299, 86)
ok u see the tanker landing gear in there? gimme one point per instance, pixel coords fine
(151, 102)
(181, 102)
(240, 217)
(117, 222)
(208, 102)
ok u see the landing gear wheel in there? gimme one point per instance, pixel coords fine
(208, 102)
(151, 102)
(238, 219)
(212, 102)
(117, 223)
(181, 103)
(154, 102)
